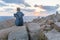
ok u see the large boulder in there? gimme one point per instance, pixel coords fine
(34, 30)
(53, 35)
(49, 21)
(4, 32)
(46, 28)
(57, 26)
(19, 34)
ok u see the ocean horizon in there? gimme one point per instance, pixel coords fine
(26, 18)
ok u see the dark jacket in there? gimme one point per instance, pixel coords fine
(19, 18)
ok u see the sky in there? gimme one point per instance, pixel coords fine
(8, 7)
(32, 2)
(43, 2)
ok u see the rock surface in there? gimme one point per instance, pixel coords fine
(45, 28)
(5, 32)
(57, 26)
(34, 30)
(53, 35)
(19, 34)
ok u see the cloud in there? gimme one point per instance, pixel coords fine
(2, 3)
(43, 2)
(9, 7)
(14, 1)
(17, 2)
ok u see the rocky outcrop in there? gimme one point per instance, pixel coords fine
(19, 34)
(45, 28)
(48, 20)
(57, 26)
(54, 17)
(7, 23)
(53, 35)
(14, 32)
(35, 31)
(4, 32)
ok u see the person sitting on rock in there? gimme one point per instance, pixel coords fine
(19, 17)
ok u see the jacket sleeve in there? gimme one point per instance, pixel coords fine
(22, 14)
(15, 15)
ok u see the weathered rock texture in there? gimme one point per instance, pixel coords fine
(4, 32)
(56, 25)
(53, 35)
(45, 28)
(19, 34)
(35, 32)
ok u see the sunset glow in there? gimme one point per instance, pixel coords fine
(11, 7)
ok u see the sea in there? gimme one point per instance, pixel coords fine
(26, 18)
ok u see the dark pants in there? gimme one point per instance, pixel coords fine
(19, 22)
